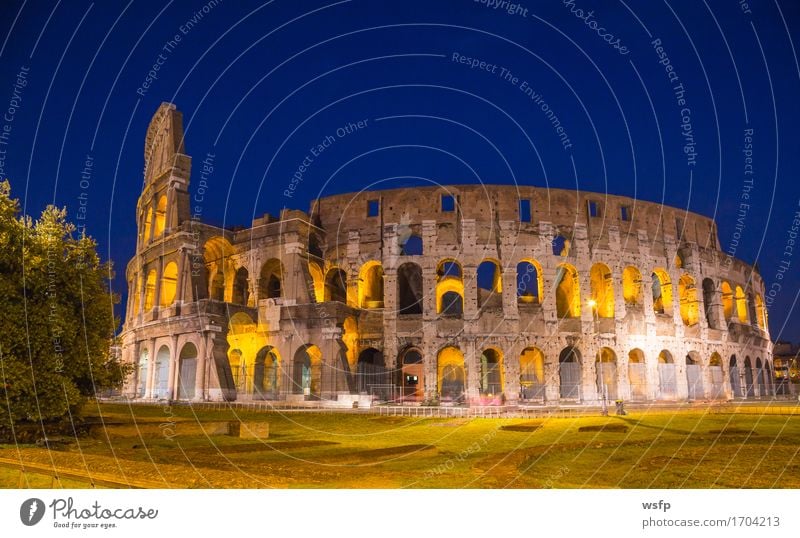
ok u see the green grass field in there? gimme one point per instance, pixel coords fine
(311, 450)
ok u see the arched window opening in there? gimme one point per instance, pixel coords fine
(161, 377)
(317, 283)
(143, 365)
(694, 376)
(450, 368)
(169, 284)
(449, 289)
(761, 313)
(270, 281)
(709, 303)
(409, 289)
(412, 375)
(531, 374)
(307, 370)
(717, 389)
(727, 300)
(370, 285)
(530, 284)
(750, 390)
(568, 298)
(187, 372)
(637, 375)
(602, 289)
(632, 286)
(741, 305)
(687, 291)
(241, 292)
(491, 380)
(371, 373)
(490, 285)
(147, 220)
(735, 377)
(266, 374)
(662, 292)
(150, 290)
(667, 379)
(569, 369)
(336, 286)
(606, 364)
(161, 216)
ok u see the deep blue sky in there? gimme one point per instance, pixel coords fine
(261, 83)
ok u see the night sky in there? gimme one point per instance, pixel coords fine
(655, 98)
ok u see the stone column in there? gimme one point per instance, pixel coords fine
(200, 373)
(472, 371)
(151, 369)
(173, 375)
(511, 372)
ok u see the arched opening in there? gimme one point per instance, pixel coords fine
(161, 379)
(530, 284)
(716, 376)
(662, 292)
(762, 387)
(750, 389)
(187, 368)
(490, 284)
(241, 293)
(161, 216)
(371, 373)
(687, 292)
(449, 289)
(637, 375)
(450, 370)
(561, 246)
(709, 292)
(150, 290)
(606, 366)
(602, 290)
(694, 376)
(632, 286)
(243, 339)
(531, 374)
(135, 288)
(270, 280)
(412, 246)
(491, 373)
(568, 297)
(336, 286)
(266, 374)
(143, 365)
(307, 371)
(735, 378)
(569, 370)
(409, 288)
(169, 283)
(761, 312)
(147, 221)
(667, 381)
(370, 285)
(317, 282)
(768, 379)
(412, 375)
(239, 371)
(741, 305)
(727, 300)
(217, 254)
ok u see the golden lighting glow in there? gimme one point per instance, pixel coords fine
(350, 339)
(690, 308)
(761, 313)
(568, 302)
(245, 338)
(317, 281)
(216, 253)
(336, 285)
(491, 373)
(531, 367)
(662, 292)
(370, 285)
(161, 216)
(148, 218)
(602, 289)
(449, 280)
(150, 290)
(169, 284)
(741, 305)
(632, 285)
(450, 369)
(727, 299)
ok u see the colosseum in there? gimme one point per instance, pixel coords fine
(443, 295)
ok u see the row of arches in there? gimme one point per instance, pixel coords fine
(153, 374)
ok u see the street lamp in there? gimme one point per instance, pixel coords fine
(604, 409)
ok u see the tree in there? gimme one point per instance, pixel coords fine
(56, 318)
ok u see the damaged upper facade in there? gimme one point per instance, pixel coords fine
(471, 294)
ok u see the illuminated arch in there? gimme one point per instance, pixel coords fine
(370, 372)
(187, 371)
(632, 286)
(216, 254)
(491, 372)
(412, 374)
(161, 374)
(569, 364)
(741, 305)
(531, 374)
(490, 283)
(161, 216)
(530, 281)
(317, 281)
(150, 290)
(266, 373)
(662, 292)
(637, 374)
(270, 280)
(602, 290)
(147, 220)
(370, 285)
(307, 371)
(761, 312)
(606, 365)
(687, 293)
(136, 290)
(568, 297)
(727, 299)
(450, 374)
(668, 383)
(449, 288)
(169, 284)
(694, 376)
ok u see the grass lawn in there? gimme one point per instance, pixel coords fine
(313, 450)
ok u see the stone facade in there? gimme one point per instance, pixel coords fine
(469, 294)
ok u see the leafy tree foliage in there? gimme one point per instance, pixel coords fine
(56, 318)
